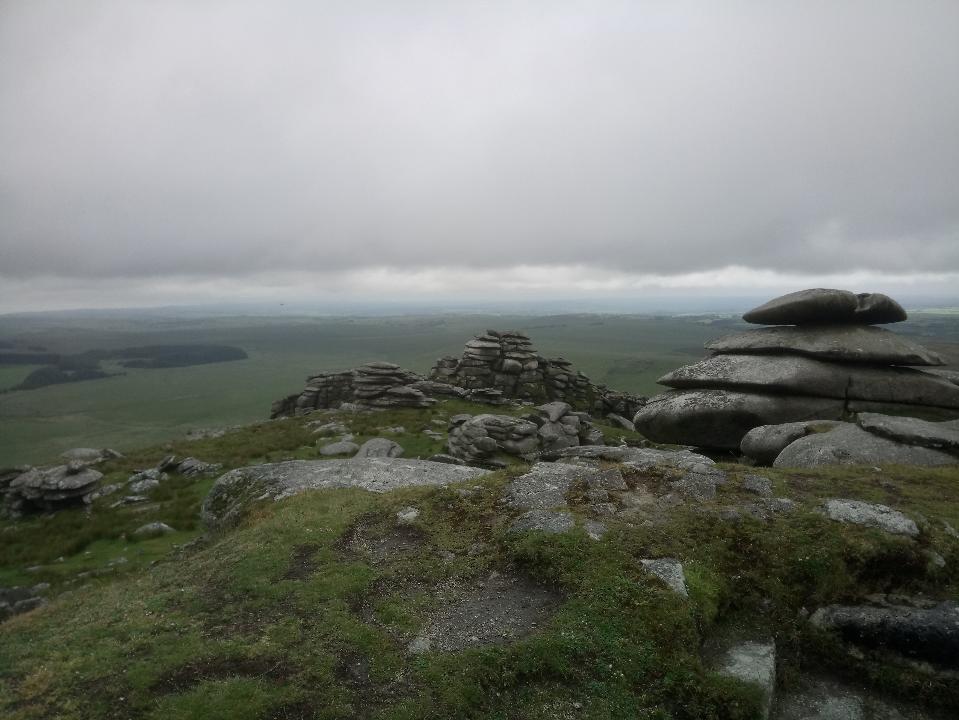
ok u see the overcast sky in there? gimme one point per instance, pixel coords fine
(156, 152)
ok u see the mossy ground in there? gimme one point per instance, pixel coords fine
(287, 616)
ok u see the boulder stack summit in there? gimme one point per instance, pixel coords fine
(821, 358)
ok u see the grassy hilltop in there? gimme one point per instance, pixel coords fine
(308, 608)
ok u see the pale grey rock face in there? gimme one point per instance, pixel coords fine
(544, 486)
(848, 444)
(912, 431)
(548, 521)
(758, 485)
(801, 375)
(753, 663)
(853, 343)
(234, 491)
(343, 447)
(873, 515)
(930, 634)
(379, 447)
(670, 571)
(764, 443)
(827, 306)
(721, 418)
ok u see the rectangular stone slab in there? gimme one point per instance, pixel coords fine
(850, 343)
(800, 375)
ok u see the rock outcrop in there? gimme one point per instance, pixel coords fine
(506, 363)
(374, 385)
(828, 363)
(50, 488)
(551, 427)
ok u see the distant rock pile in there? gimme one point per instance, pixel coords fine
(822, 360)
(505, 363)
(496, 368)
(554, 426)
(374, 385)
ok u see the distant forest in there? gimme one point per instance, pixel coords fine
(59, 368)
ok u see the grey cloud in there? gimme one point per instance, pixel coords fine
(144, 138)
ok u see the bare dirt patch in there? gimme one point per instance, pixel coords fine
(372, 541)
(302, 562)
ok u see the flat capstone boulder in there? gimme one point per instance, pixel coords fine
(236, 490)
(802, 375)
(721, 418)
(826, 306)
(845, 343)
(849, 444)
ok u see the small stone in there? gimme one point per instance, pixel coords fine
(670, 571)
(595, 529)
(407, 516)
(154, 529)
(753, 663)
(339, 448)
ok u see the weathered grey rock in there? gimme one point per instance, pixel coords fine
(343, 447)
(802, 375)
(853, 343)
(871, 515)
(154, 529)
(90, 456)
(670, 571)
(827, 699)
(545, 486)
(17, 600)
(848, 444)
(764, 443)
(407, 515)
(826, 306)
(912, 431)
(237, 489)
(379, 447)
(620, 421)
(637, 458)
(721, 418)
(925, 633)
(758, 485)
(699, 485)
(191, 467)
(548, 521)
(144, 486)
(753, 663)
(100, 492)
(52, 488)
(555, 410)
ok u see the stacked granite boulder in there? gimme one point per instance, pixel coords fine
(374, 385)
(503, 365)
(822, 359)
(551, 427)
(48, 489)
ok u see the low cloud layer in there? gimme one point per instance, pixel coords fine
(232, 139)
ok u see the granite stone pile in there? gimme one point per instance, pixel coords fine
(374, 385)
(551, 427)
(502, 365)
(47, 489)
(822, 358)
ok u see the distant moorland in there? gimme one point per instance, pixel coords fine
(164, 376)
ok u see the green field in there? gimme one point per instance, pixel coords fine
(147, 406)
